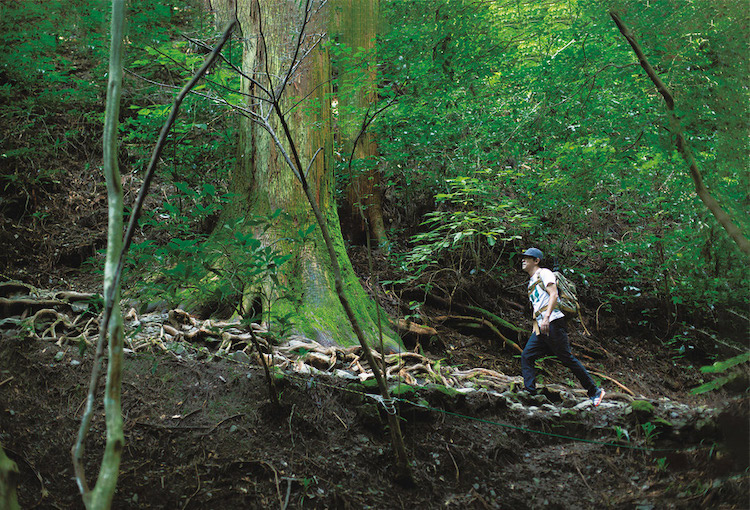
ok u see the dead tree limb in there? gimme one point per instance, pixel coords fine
(615, 381)
(682, 146)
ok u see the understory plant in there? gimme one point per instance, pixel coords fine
(722, 367)
(220, 268)
(470, 221)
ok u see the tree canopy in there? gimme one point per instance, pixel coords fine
(501, 124)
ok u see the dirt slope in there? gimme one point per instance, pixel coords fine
(201, 433)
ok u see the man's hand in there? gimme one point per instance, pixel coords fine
(545, 325)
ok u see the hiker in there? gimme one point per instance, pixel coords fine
(550, 335)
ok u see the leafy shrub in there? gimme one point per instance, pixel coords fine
(470, 220)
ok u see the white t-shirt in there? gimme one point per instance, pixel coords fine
(539, 297)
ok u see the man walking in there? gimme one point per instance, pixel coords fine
(550, 334)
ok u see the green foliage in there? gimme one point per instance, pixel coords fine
(622, 433)
(650, 432)
(560, 106)
(52, 81)
(52, 77)
(214, 268)
(721, 367)
(661, 464)
(470, 220)
(512, 123)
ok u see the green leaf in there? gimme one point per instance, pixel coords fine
(722, 366)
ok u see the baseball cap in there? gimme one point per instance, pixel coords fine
(534, 252)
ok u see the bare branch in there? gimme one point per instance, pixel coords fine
(312, 160)
(232, 67)
(366, 121)
(109, 298)
(682, 145)
(297, 47)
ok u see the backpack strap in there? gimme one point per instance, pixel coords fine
(540, 311)
(531, 289)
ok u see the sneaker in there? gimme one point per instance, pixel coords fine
(598, 397)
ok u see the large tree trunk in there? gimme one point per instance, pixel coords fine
(357, 23)
(263, 183)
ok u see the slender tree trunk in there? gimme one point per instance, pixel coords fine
(8, 482)
(682, 146)
(100, 497)
(357, 22)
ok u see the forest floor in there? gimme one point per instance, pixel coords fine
(201, 432)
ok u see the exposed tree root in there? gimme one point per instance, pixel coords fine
(24, 306)
(405, 326)
(298, 353)
(60, 316)
(483, 322)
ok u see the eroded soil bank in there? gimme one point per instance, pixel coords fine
(201, 433)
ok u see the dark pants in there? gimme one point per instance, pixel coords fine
(557, 343)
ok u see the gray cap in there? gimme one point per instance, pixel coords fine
(534, 252)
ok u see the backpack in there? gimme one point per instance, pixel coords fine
(567, 302)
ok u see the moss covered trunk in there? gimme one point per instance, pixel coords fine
(263, 182)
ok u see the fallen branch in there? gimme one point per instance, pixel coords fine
(615, 381)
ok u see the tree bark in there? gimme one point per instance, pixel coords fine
(357, 25)
(262, 182)
(682, 146)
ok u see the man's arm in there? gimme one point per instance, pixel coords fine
(552, 291)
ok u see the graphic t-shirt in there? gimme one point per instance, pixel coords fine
(539, 297)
